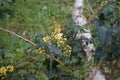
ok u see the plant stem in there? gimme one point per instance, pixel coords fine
(30, 42)
(18, 36)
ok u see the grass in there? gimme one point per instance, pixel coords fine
(38, 15)
(33, 17)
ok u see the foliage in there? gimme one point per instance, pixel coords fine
(35, 17)
(65, 47)
(108, 26)
(6, 8)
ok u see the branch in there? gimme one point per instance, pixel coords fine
(30, 42)
(18, 36)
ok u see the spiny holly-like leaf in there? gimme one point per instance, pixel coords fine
(105, 34)
(40, 45)
(55, 50)
(100, 54)
(116, 31)
(74, 59)
(96, 23)
(2, 54)
(66, 61)
(109, 13)
(1, 3)
(10, 1)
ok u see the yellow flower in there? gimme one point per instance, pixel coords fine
(40, 50)
(3, 70)
(10, 68)
(65, 39)
(69, 51)
(61, 42)
(3, 78)
(69, 47)
(46, 38)
(57, 30)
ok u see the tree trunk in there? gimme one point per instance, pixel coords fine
(88, 48)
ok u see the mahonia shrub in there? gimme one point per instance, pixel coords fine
(56, 40)
(64, 46)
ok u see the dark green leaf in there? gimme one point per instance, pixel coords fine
(76, 48)
(100, 54)
(2, 15)
(116, 31)
(38, 38)
(105, 34)
(96, 23)
(2, 54)
(1, 3)
(75, 78)
(10, 1)
(55, 50)
(74, 59)
(8, 11)
(66, 61)
(40, 45)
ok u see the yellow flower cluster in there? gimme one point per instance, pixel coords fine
(56, 35)
(46, 38)
(57, 30)
(10, 68)
(67, 50)
(41, 50)
(58, 39)
(61, 41)
(3, 70)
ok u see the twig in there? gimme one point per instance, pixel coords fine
(18, 36)
(60, 63)
(51, 56)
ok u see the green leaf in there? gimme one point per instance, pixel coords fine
(1, 3)
(118, 52)
(105, 34)
(100, 54)
(22, 72)
(115, 49)
(8, 11)
(96, 23)
(116, 31)
(74, 59)
(22, 64)
(75, 78)
(42, 76)
(9, 1)
(108, 12)
(2, 54)
(66, 61)
(55, 50)
(2, 15)
(76, 47)
(40, 45)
